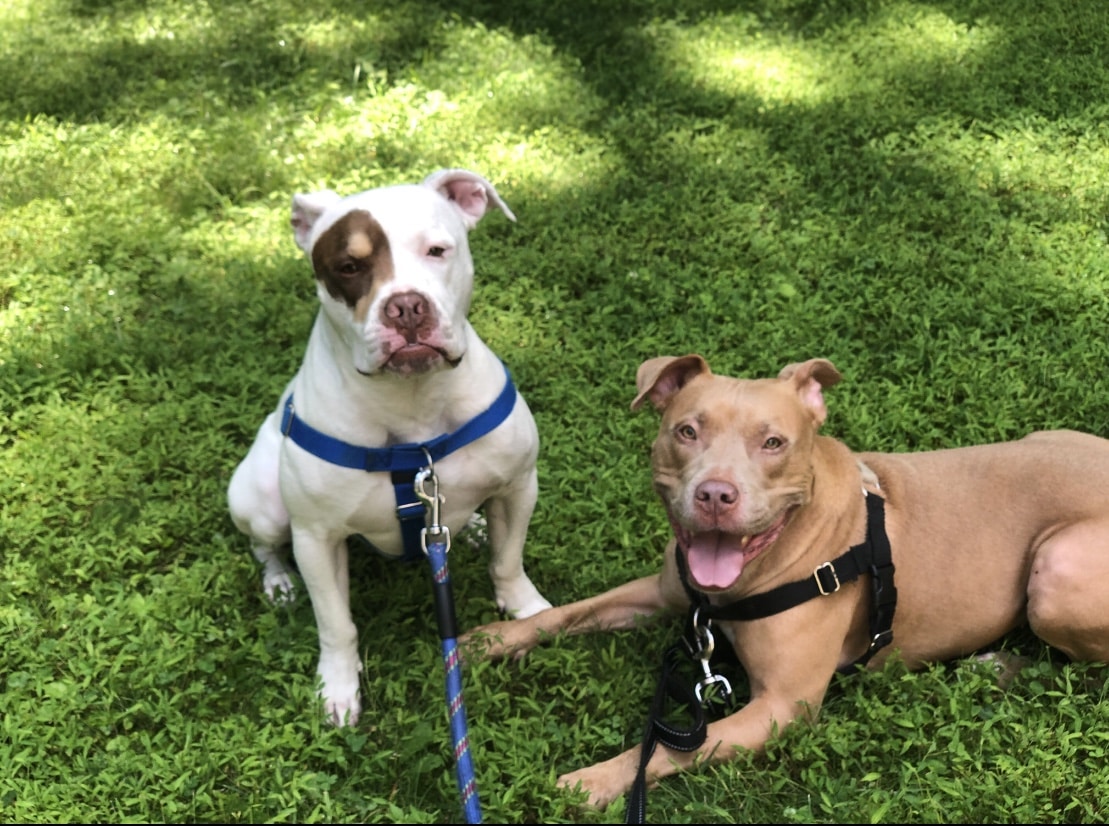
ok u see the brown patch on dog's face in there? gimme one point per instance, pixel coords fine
(352, 259)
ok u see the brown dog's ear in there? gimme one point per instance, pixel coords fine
(660, 378)
(810, 378)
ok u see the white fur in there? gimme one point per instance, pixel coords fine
(280, 493)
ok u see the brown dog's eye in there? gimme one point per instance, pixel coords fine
(688, 432)
(773, 443)
(348, 268)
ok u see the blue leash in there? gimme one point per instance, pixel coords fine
(436, 542)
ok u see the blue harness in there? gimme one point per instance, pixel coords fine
(403, 460)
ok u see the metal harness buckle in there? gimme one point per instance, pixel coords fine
(432, 501)
(411, 510)
(881, 639)
(833, 586)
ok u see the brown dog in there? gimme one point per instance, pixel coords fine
(983, 539)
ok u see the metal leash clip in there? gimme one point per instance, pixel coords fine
(438, 533)
(704, 645)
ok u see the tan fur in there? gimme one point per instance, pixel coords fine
(983, 538)
(359, 245)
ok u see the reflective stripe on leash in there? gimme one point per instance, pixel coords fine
(436, 542)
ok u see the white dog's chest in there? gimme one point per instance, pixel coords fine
(375, 516)
(341, 501)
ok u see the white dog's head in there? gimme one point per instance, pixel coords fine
(393, 267)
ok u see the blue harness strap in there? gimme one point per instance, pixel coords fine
(403, 460)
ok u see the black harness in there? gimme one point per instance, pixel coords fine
(871, 556)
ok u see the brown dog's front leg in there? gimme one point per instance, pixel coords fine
(622, 607)
(748, 728)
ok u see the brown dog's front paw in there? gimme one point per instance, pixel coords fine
(599, 783)
(494, 641)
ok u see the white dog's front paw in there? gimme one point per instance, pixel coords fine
(341, 699)
(343, 712)
(521, 599)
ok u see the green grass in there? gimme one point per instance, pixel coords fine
(918, 191)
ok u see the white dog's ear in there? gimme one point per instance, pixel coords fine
(470, 192)
(307, 209)
(810, 378)
(658, 379)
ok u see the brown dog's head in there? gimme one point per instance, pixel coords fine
(732, 460)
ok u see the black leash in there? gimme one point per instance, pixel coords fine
(658, 730)
(713, 692)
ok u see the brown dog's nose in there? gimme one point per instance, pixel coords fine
(407, 313)
(715, 496)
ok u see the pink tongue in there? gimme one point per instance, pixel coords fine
(715, 559)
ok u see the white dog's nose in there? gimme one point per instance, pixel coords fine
(409, 314)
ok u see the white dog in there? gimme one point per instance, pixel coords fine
(393, 376)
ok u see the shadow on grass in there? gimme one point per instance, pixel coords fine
(1056, 70)
(743, 242)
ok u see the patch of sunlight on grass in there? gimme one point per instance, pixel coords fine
(16, 11)
(256, 232)
(519, 103)
(1027, 155)
(722, 56)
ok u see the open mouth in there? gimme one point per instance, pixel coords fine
(716, 559)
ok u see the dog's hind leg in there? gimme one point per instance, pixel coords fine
(257, 509)
(1068, 591)
(277, 578)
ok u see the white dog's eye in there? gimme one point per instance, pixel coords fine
(436, 252)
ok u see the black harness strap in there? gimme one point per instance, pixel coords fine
(883, 593)
(871, 556)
